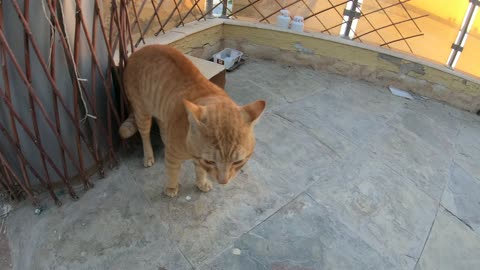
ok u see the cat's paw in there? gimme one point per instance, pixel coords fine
(148, 161)
(204, 186)
(171, 192)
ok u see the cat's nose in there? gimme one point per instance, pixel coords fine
(222, 181)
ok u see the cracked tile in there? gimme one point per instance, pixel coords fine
(461, 197)
(451, 245)
(302, 235)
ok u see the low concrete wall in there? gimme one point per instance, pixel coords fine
(200, 39)
(356, 60)
(328, 53)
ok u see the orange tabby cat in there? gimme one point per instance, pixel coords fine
(197, 119)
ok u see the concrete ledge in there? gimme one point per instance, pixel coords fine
(327, 53)
(212, 71)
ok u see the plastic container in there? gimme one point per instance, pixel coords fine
(228, 57)
(297, 24)
(283, 20)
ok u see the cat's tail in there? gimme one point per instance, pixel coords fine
(128, 128)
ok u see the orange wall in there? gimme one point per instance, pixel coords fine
(452, 10)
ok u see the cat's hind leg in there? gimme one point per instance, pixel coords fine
(144, 124)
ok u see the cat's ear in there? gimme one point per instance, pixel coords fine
(254, 110)
(195, 112)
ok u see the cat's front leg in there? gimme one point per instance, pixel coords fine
(173, 166)
(202, 181)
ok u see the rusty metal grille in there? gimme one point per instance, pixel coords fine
(61, 97)
(53, 128)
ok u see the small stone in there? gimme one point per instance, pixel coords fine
(38, 211)
(188, 198)
(236, 251)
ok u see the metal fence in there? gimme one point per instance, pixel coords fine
(61, 98)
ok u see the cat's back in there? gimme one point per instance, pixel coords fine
(157, 77)
(159, 61)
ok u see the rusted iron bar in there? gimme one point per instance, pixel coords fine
(120, 36)
(111, 42)
(155, 12)
(336, 10)
(188, 12)
(55, 101)
(136, 20)
(401, 39)
(386, 7)
(92, 51)
(123, 57)
(7, 181)
(11, 172)
(127, 26)
(52, 82)
(120, 26)
(168, 19)
(281, 7)
(29, 87)
(75, 83)
(318, 19)
(28, 73)
(39, 147)
(74, 75)
(95, 62)
(389, 25)
(150, 21)
(178, 11)
(371, 25)
(409, 15)
(394, 26)
(199, 9)
(111, 67)
(93, 102)
(337, 25)
(139, 13)
(224, 9)
(6, 82)
(258, 11)
(109, 49)
(241, 9)
(48, 185)
(325, 10)
(214, 7)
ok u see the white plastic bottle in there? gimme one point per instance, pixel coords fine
(297, 24)
(283, 20)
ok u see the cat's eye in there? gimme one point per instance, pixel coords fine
(238, 162)
(209, 162)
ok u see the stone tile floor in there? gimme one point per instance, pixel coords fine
(345, 176)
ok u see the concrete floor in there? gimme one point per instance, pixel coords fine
(345, 176)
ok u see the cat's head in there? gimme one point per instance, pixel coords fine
(221, 137)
